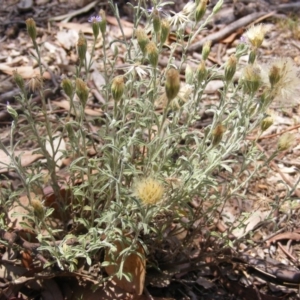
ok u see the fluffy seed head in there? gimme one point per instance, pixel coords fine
(283, 76)
(148, 190)
(256, 35)
(251, 78)
(285, 141)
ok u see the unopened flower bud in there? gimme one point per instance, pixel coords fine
(189, 74)
(142, 39)
(217, 7)
(266, 123)
(285, 141)
(206, 50)
(117, 87)
(18, 80)
(81, 46)
(274, 75)
(172, 85)
(251, 78)
(103, 22)
(201, 72)
(164, 32)
(71, 132)
(252, 56)
(152, 53)
(230, 68)
(200, 10)
(37, 208)
(82, 91)
(67, 87)
(12, 111)
(31, 28)
(217, 134)
(156, 21)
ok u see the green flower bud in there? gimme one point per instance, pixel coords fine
(217, 134)
(12, 111)
(172, 84)
(252, 56)
(230, 68)
(189, 74)
(31, 28)
(165, 29)
(152, 53)
(117, 87)
(206, 50)
(201, 72)
(19, 80)
(266, 123)
(217, 7)
(142, 39)
(67, 87)
(156, 21)
(81, 46)
(103, 22)
(82, 91)
(200, 10)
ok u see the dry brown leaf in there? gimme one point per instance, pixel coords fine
(84, 27)
(27, 158)
(90, 112)
(17, 211)
(133, 265)
(27, 72)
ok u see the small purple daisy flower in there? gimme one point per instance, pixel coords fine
(150, 10)
(95, 19)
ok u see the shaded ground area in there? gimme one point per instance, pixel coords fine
(264, 266)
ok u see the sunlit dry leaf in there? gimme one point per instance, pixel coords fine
(133, 265)
(27, 72)
(66, 105)
(67, 39)
(59, 146)
(27, 158)
(18, 211)
(84, 27)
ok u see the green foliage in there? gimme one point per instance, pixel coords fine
(137, 143)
